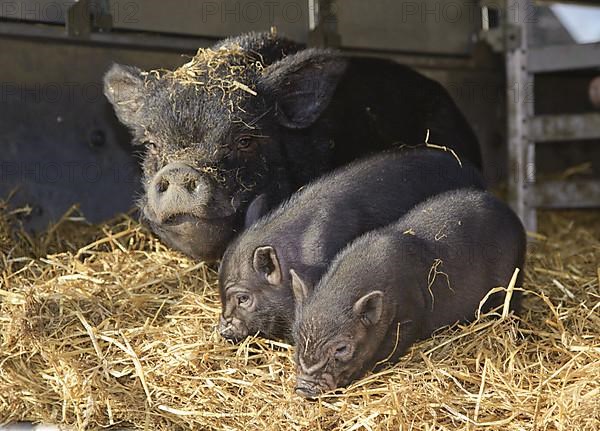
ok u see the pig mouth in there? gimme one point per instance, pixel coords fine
(203, 238)
(189, 223)
(310, 388)
(307, 392)
(180, 218)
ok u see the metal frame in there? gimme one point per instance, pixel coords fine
(141, 40)
(521, 150)
(525, 130)
(564, 57)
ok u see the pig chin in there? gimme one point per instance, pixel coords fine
(203, 239)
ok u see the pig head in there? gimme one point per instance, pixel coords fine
(216, 133)
(334, 346)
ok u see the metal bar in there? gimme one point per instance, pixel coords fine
(577, 2)
(126, 39)
(519, 101)
(567, 194)
(571, 127)
(158, 41)
(557, 58)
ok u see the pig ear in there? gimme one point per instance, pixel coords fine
(124, 89)
(369, 308)
(265, 262)
(299, 287)
(257, 208)
(303, 84)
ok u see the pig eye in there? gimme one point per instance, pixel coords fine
(246, 144)
(343, 352)
(243, 299)
(151, 147)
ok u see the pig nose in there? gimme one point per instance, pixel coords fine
(307, 388)
(306, 392)
(228, 330)
(225, 327)
(178, 176)
(177, 189)
(232, 328)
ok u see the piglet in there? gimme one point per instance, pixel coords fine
(307, 231)
(398, 284)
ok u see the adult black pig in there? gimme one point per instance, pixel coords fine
(307, 231)
(259, 114)
(400, 283)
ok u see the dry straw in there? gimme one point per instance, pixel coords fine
(218, 71)
(103, 326)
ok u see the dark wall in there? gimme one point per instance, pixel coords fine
(61, 143)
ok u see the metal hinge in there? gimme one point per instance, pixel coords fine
(323, 23)
(85, 16)
(501, 35)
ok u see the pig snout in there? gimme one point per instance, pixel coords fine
(311, 385)
(179, 190)
(191, 210)
(306, 387)
(232, 329)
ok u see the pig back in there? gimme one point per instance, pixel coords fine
(471, 243)
(378, 191)
(323, 217)
(394, 103)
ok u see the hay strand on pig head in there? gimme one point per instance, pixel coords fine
(118, 330)
(228, 71)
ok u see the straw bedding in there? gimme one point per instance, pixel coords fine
(103, 326)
